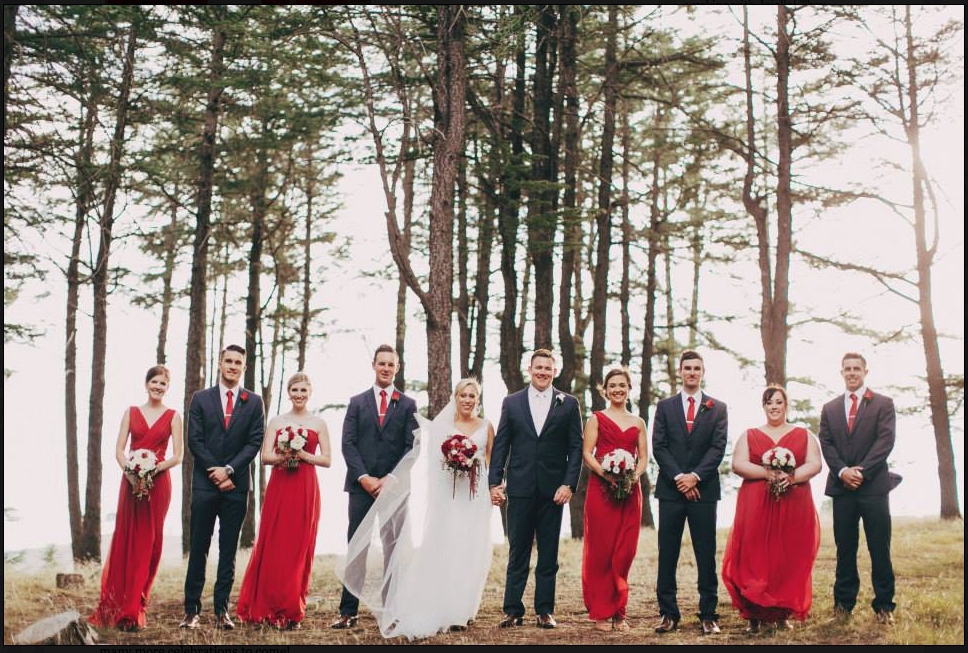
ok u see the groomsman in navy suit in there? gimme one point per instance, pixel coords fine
(857, 431)
(539, 439)
(226, 424)
(377, 433)
(688, 442)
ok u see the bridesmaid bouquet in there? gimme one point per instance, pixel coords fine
(782, 460)
(141, 464)
(288, 442)
(619, 465)
(461, 459)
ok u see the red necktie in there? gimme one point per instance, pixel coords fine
(690, 415)
(852, 415)
(228, 409)
(383, 405)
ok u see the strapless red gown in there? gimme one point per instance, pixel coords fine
(769, 558)
(276, 581)
(611, 531)
(135, 553)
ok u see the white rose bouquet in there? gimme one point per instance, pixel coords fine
(779, 459)
(141, 465)
(619, 466)
(288, 442)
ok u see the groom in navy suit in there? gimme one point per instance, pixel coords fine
(377, 433)
(539, 437)
(226, 424)
(857, 431)
(688, 442)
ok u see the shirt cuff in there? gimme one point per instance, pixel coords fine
(698, 478)
(840, 474)
(229, 470)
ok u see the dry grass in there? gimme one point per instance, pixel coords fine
(928, 560)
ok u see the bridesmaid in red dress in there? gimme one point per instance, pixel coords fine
(769, 556)
(132, 561)
(277, 579)
(611, 526)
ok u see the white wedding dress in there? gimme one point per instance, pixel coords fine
(426, 542)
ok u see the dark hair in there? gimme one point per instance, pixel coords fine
(771, 390)
(690, 355)
(853, 354)
(236, 348)
(615, 371)
(542, 353)
(385, 349)
(158, 370)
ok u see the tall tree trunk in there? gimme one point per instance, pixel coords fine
(697, 255)
(571, 248)
(463, 307)
(9, 38)
(195, 348)
(626, 239)
(482, 286)
(85, 195)
(511, 342)
(603, 219)
(409, 175)
(776, 350)
(307, 294)
(450, 117)
(541, 218)
(937, 395)
(167, 293)
(253, 310)
(670, 312)
(91, 540)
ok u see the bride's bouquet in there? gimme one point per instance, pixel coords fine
(461, 459)
(782, 460)
(619, 466)
(141, 464)
(288, 442)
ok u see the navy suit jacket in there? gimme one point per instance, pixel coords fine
(867, 446)
(537, 464)
(371, 449)
(680, 452)
(214, 445)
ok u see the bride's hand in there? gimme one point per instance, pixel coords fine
(131, 479)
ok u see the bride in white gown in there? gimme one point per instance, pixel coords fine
(420, 558)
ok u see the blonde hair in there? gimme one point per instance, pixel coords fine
(298, 377)
(463, 383)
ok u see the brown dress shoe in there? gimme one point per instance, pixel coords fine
(344, 622)
(547, 621)
(710, 627)
(191, 621)
(885, 617)
(666, 625)
(222, 622)
(509, 621)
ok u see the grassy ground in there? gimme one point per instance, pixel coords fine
(928, 556)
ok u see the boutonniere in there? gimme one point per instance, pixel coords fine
(559, 398)
(868, 395)
(706, 405)
(244, 397)
(395, 397)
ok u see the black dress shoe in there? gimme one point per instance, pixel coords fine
(509, 621)
(191, 621)
(344, 622)
(666, 625)
(753, 627)
(547, 621)
(710, 627)
(222, 622)
(458, 628)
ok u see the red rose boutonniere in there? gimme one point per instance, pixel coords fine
(395, 397)
(868, 395)
(244, 397)
(706, 405)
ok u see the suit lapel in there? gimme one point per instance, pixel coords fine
(237, 407)
(862, 406)
(551, 411)
(680, 416)
(840, 419)
(526, 407)
(700, 411)
(215, 396)
(391, 404)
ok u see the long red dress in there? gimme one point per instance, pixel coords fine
(611, 531)
(132, 562)
(277, 579)
(769, 557)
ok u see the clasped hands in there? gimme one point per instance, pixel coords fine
(220, 477)
(688, 485)
(852, 477)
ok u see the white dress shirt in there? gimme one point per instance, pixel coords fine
(697, 398)
(223, 391)
(539, 401)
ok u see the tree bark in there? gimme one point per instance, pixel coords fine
(626, 239)
(409, 175)
(307, 294)
(167, 293)
(9, 38)
(195, 349)
(91, 538)
(85, 195)
(463, 307)
(937, 395)
(603, 218)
